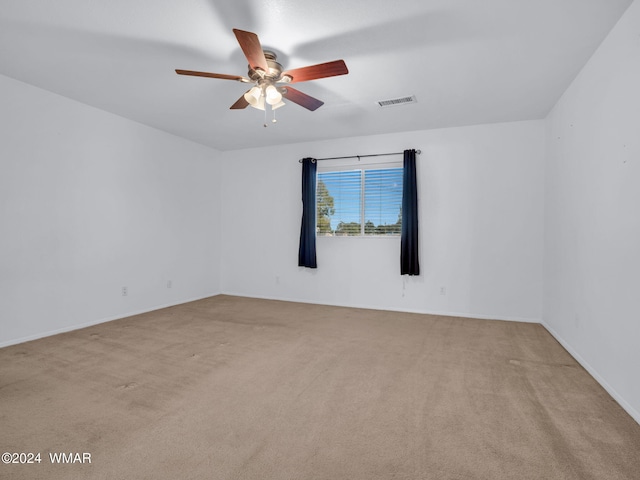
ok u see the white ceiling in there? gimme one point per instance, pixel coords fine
(466, 61)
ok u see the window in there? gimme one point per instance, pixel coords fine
(359, 201)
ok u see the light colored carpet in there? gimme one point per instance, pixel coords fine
(237, 388)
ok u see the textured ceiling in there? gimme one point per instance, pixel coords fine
(466, 61)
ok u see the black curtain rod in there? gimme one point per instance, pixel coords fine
(361, 156)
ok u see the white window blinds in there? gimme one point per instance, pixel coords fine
(365, 200)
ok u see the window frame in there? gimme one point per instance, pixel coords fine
(362, 166)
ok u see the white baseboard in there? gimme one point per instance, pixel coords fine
(594, 373)
(97, 322)
(405, 310)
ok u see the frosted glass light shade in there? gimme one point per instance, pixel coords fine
(273, 95)
(255, 98)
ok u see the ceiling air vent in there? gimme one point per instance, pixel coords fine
(397, 101)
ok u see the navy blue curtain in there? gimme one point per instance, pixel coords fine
(409, 264)
(307, 251)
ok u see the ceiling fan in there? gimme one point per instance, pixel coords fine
(271, 82)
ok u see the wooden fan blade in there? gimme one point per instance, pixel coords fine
(302, 99)
(250, 45)
(240, 104)
(213, 75)
(322, 70)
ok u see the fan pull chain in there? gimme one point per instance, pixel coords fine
(265, 124)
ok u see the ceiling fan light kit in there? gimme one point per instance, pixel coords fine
(266, 74)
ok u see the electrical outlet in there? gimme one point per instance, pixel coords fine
(169, 284)
(125, 292)
(443, 290)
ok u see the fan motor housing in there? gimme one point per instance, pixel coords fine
(275, 69)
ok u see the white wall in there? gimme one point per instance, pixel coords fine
(481, 218)
(91, 202)
(592, 226)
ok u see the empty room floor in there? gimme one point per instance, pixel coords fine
(238, 388)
